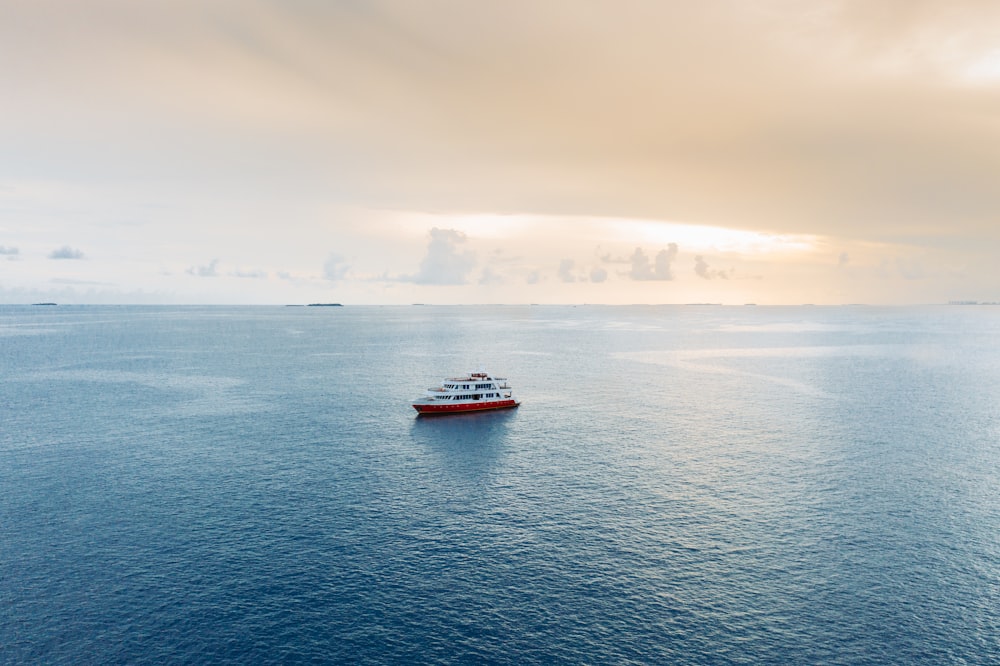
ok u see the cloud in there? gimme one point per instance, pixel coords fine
(209, 270)
(565, 271)
(255, 274)
(444, 264)
(66, 252)
(773, 103)
(334, 267)
(10, 252)
(871, 123)
(499, 256)
(660, 269)
(609, 259)
(489, 276)
(598, 274)
(702, 269)
(533, 277)
(843, 259)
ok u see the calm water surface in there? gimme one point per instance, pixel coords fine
(704, 485)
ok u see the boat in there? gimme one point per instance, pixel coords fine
(474, 392)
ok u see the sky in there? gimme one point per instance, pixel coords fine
(525, 151)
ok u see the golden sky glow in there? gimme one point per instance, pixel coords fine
(554, 151)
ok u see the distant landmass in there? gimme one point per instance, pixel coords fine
(325, 305)
(44, 304)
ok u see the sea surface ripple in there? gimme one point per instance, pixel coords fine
(684, 485)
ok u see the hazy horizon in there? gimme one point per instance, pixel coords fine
(374, 152)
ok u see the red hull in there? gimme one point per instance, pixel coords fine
(435, 410)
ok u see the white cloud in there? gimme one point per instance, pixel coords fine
(334, 267)
(660, 269)
(566, 270)
(444, 264)
(66, 252)
(10, 252)
(208, 270)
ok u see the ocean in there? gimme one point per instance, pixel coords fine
(681, 485)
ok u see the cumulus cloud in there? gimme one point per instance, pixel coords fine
(565, 271)
(659, 269)
(334, 267)
(208, 270)
(703, 270)
(598, 274)
(444, 263)
(701, 267)
(66, 252)
(10, 252)
(533, 277)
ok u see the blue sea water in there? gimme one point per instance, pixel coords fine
(681, 485)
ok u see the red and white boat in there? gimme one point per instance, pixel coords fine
(475, 392)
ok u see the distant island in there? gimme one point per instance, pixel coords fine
(325, 305)
(44, 303)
